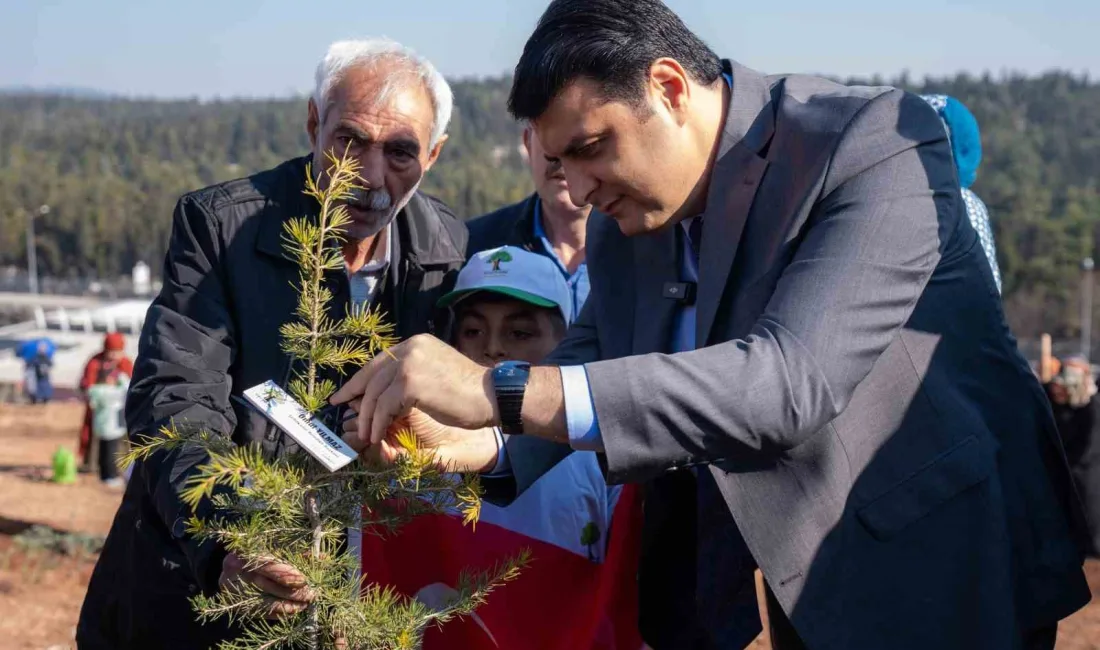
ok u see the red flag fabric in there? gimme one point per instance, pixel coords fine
(579, 591)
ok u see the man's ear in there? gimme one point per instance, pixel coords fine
(527, 130)
(313, 124)
(669, 86)
(433, 155)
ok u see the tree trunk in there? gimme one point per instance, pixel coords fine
(318, 534)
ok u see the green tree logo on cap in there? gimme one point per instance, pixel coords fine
(498, 257)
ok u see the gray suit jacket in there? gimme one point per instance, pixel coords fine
(857, 399)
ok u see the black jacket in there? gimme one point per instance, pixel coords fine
(512, 225)
(214, 331)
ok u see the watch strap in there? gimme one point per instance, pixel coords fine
(510, 403)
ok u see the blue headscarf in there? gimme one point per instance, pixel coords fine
(962, 130)
(966, 149)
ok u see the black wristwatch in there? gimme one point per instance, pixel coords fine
(509, 384)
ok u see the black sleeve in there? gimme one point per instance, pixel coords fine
(182, 374)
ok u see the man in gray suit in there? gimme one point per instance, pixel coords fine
(793, 340)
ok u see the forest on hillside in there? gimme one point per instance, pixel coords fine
(111, 170)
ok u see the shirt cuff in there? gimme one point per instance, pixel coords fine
(580, 411)
(504, 465)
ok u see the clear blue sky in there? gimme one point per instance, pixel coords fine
(208, 48)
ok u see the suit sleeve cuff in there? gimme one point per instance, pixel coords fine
(580, 411)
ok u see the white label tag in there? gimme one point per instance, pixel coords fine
(307, 431)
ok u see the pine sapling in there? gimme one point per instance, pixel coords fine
(292, 509)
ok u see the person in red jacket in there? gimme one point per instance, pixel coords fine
(102, 368)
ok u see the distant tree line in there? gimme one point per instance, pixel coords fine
(111, 170)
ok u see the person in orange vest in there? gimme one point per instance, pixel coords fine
(103, 368)
(579, 591)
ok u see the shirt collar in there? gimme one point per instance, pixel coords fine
(380, 262)
(540, 232)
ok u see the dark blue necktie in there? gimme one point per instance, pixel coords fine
(725, 591)
(695, 234)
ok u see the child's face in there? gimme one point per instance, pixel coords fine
(504, 329)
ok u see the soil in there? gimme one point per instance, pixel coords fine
(41, 592)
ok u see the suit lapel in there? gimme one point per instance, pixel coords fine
(723, 223)
(655, 263)
(738, 169)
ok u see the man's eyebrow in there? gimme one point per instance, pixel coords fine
(412, 144)
(406, 141)
(354, 130)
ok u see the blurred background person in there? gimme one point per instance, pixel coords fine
(547, 222)
(37, 356)
(103, 368)
(106, 401)
(1073, 399)
(36, 382)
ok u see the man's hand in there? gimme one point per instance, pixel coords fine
(422, 373)
(285, 587)
(459, 450)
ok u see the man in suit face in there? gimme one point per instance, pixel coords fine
(644, 163)
(841, 404)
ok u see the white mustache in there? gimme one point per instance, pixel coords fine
(377, 200)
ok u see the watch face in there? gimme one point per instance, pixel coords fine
(513, 364)
(511, 373)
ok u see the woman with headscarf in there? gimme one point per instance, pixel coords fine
(966, 148)
(104, 368)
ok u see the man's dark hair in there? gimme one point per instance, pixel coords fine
(611, 42)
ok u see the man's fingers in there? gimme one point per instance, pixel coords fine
(350, 431)
(278, 608)
(355, 441)
(274, 588)
(355, 386)
(390, 406)
(388, 452)
(378, 384)
(232, 567)
(349, 423)
(281, 581)
(285, 588)
(373, 453)
(284, 574)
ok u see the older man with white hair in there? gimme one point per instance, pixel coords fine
(213, 330)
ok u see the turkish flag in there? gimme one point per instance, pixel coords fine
(562, 600)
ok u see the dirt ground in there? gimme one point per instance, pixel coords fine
(41, 593)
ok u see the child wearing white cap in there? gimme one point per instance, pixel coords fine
(579, 591)
(509, 304)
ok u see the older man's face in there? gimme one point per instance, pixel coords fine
(390, 139)
(547, 174)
